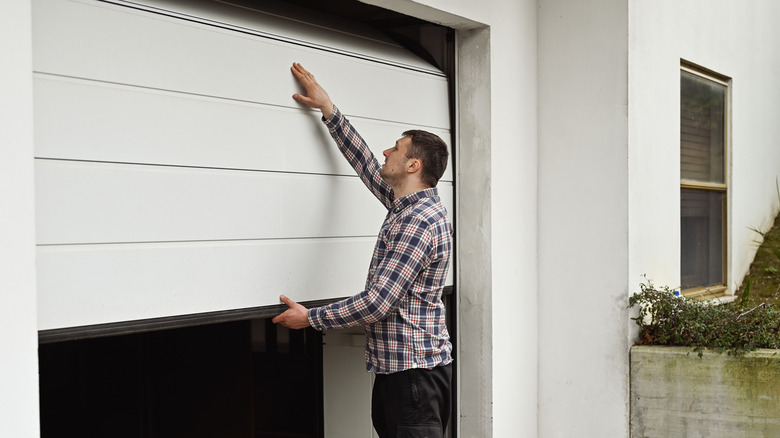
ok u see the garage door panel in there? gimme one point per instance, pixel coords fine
(85, 285)
(97, 202)
(309, 28)
(96, 284)
(85, 202)
(176, 175)
(106, 122)
(121, 45)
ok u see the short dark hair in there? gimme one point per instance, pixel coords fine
(432, 151)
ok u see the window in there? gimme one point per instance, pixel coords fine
(704, 181)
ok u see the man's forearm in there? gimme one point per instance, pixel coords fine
(359, 156)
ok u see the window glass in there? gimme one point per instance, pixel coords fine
(702, 128)
(702, 214)
(703, 180)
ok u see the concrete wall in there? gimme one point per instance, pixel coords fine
(674, 392)
(18, 335)
(474, 331)
(736, 39)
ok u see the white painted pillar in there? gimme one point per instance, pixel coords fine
(515, 316)
(583, 218)
(18, 331)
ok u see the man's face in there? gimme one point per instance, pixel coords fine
(394, 169)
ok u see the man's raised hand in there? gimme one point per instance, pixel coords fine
(296, 317)
(315, 97)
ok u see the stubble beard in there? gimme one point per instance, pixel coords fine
(386, 176)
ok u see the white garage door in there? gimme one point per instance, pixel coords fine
(175, 174)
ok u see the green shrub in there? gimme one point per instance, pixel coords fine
(667, 319)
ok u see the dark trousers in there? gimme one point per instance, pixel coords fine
(414, 403)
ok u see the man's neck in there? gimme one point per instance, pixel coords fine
(405, 189)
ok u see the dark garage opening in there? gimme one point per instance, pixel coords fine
(236, 379)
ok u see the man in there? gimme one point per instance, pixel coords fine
(407, 343)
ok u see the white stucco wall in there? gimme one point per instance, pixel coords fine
(583, 218)
(733, 38)
(18, 335)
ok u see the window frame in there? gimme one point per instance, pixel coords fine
(719, 290)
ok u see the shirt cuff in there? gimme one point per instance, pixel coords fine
(334, 119)
(314, 318)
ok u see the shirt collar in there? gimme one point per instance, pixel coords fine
(412, 198)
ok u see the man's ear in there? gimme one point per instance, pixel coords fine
(413, 165)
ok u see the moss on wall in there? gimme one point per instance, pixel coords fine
(676, 393)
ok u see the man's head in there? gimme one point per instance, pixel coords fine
(432, 151)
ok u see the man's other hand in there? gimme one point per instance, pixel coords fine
(315, 97)
(296, 317)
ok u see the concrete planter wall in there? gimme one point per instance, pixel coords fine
(675, 393)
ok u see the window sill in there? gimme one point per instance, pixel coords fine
(716, 294)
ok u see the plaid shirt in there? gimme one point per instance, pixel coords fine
(401, 308)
